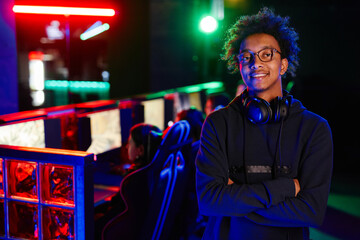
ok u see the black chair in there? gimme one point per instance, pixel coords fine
(153, 195)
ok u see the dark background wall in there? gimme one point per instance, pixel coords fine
(159, 47)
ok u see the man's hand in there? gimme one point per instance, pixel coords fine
(297, 186)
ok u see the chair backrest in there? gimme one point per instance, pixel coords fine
(153, 194)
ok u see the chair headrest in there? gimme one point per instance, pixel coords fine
(177, 134)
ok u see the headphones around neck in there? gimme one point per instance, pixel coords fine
(259, 111)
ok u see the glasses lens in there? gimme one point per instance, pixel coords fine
(246, 57)
(266, 55)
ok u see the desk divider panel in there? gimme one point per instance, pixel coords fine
(45, 193)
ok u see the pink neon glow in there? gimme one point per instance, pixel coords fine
(107, 12)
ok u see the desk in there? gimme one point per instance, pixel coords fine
(103, 193)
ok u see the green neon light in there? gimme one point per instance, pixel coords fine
(290, 85)
(190, 89)
(51, 84)
(158, 94)
(213, 85)
(210, 87)
(76, 85)
(208, 24)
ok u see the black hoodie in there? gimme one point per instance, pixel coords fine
(261, 204)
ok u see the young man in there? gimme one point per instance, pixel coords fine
(265, 162)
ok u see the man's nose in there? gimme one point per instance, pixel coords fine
(256, 63)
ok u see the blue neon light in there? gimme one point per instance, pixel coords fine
(170, 170)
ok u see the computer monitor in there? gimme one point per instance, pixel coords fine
(184, 101)
(197, 100)
(159, 112)
(105, 131)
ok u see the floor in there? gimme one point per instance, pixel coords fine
(342, 220)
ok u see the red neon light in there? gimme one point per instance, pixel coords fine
(105, 12)
(36, 55)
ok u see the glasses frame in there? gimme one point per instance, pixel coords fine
(257, 54)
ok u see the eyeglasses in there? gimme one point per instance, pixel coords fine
(265, 55)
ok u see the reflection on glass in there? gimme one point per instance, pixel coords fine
(69, 129)
(57, 184)
(23, 220)
(22, 179)
(58, 223)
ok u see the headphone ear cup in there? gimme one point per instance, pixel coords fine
(275, 103)
(284, 108)
(280, 108)
(257, 110)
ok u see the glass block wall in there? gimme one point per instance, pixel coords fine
(43, 196)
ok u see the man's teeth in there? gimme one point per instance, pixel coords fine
(259, 75)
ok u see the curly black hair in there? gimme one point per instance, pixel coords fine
(265, 21)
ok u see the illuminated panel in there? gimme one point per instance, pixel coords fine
(23, 220)
(105, 12)
(27, 134)
(58, 223)
(154, 112)
(22, 180)
(57, 184)
(105, 131)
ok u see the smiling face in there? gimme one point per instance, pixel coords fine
(263, 79)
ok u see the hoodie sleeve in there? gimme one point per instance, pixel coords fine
(308, 208)
(215, 196)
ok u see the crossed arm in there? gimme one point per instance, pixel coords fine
(279, 202)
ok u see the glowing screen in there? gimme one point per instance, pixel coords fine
(105, 131)
(28, 134)
(195, 100)
(154, 112)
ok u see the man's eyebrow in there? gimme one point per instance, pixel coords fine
(248, 50)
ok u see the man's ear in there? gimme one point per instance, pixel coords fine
(284, 66)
